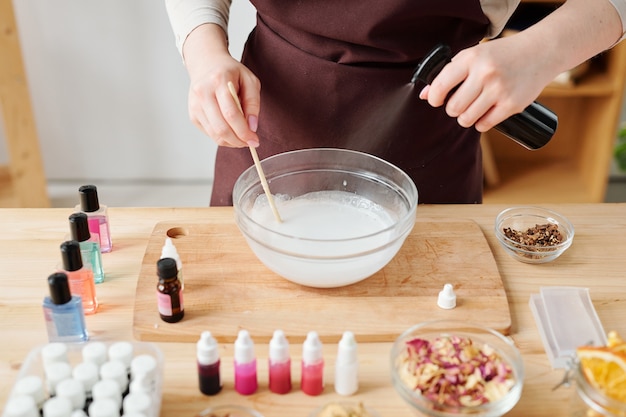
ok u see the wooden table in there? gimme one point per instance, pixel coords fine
(29, 247)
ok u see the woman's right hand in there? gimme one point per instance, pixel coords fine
(211, 105)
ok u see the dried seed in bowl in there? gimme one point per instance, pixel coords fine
(541, 235)
(454, 371)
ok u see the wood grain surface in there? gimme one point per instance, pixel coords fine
(227, 288)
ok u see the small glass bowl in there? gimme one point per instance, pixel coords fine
(480, 336)
(229, 411)
(524, 218)
(354, 408)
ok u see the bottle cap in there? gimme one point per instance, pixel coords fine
(346, 350)
(143, 365)
(57, 407)
(89, 198)
(116, 371)
(137, 402)
(312, 348)
(447, 298)
(279, 347)
(95, 352)
(166, 268)
(70, 253)
(79, 227)
(206, 347)
(87, 374)
(107, 388)
(21, 406)
(122, 351)
(105, 407)
(244, 348)
(74, 391)
(54, 352)
(59, 290)
(169, 251)
(31, 385)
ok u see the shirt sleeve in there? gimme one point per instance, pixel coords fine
(498, 12)
(186, 15)
(620, 6)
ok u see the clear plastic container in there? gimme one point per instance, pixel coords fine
(34, 365)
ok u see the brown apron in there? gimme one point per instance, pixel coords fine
(336, 74)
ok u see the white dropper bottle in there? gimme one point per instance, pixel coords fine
(169, 251)
(347, 366)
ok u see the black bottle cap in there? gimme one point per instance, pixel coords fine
(70, 252)
(166, 268)
(89, 198)
(79, 227)
(59, 288)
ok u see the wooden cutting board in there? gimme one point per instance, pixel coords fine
(227, 288)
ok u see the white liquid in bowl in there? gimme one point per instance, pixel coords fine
(326, 239)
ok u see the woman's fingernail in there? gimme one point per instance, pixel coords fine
(424, 93)
(253, 122)
(253, 144)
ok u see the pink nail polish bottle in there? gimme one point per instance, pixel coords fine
(279, 364)
(312, 381)
(245, 364)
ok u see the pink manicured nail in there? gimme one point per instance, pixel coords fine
(253, 122)
(253, 144)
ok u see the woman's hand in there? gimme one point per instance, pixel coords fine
(211, 106)
(502, 77)
(495, 80)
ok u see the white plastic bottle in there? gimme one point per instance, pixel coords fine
(169, 251)
(347, 366)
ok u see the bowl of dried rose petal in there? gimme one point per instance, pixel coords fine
(443, 368)
(533, 234)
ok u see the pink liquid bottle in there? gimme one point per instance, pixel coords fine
(312, 381)
(245, 364)
(97, 215)
(279, 364)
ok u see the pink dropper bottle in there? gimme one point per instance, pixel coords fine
(279, 364)
(312, 381)
(245, 364)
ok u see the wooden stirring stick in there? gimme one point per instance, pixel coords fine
(257, 163)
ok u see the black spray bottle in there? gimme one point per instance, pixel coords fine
(532, 128)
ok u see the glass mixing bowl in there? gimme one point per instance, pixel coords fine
(345, 214)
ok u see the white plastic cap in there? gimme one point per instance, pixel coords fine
(95, 352)
(346, 350)
(74, 391)
(31, 385)
(57, 407)
(107, 388)
(87, 374)
(207, 351)
(447, 297)
(244, 348)
(279, 347)
(54, 352)
(122, 351)
(55, 373)
(312, 348)
(105, 407)
(169, 251)
(143, 365)
(21, 406)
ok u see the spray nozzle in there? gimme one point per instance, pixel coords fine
(432, 64)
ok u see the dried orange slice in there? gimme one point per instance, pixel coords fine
(605, 369)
